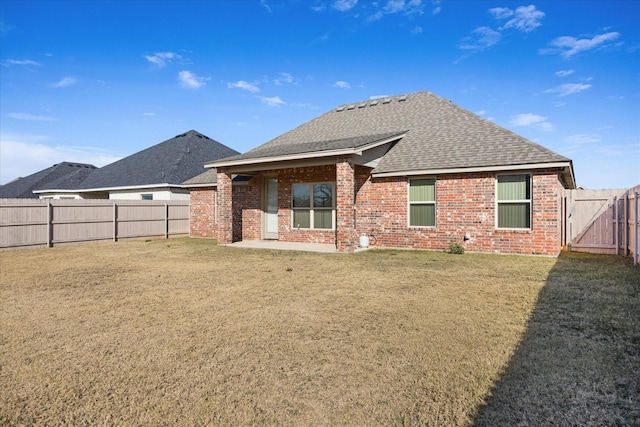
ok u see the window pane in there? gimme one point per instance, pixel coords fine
(301, 218)
(422, 190)
(422, 215)
(514, 215)
(514, 187)
(322, 195)
(322, 219)
(301, 196)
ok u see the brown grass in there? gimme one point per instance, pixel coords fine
(183, 332)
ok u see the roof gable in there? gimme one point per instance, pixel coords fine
(440, 136)
(59, 176)
(170, 162)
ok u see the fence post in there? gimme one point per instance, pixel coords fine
(49, 224)
(635, 230)
(615, 224)
(115, 222)
(625, 224)
(166, 221)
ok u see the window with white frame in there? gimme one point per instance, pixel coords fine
(514, 201)
(314, 205)
(422, 202)
(147, 197)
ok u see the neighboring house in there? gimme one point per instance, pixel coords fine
(412, 171)
(155, 173)
(61, 174)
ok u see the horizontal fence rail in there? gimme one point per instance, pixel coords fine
(36, 223)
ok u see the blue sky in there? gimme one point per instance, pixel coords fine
(94, 81)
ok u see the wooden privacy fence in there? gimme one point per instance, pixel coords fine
(35, 222)
(602, 221)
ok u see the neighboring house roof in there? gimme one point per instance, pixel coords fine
(60, 175)
(425, 133)
(168, 163)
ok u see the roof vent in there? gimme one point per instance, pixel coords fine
(386, 100)
(374, 102)
(362, 105)
(351, 107)
(402, 98)
(340, 109)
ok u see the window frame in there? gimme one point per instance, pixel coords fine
(528, 201)
(433, 202)
(146, 196)
(312, 209)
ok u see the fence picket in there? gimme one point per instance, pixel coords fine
(34, 222)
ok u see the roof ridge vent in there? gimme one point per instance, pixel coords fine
(374, 102)
(351, 107)
(362, 105)
(340, 108)
(386, 100)
(402, 98)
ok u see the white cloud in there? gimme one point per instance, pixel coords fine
(265, 5)
(411, 7)
(65, 82)
(190, 80)
(483, 38)
(241, 84)
(273, 101)
(564, 73)
(568, 46)
(529, 119)
(25, 62)
(416, 30)
(284, 78)
(437, 10)
(344, 5)
(148, 114)
(568, 89)
(161, 59)
(342, 84)
(524, 18)
(23, 155)
(31, 117)
(378, 96)
(580, 139)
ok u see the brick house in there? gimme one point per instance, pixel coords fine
(411, 171)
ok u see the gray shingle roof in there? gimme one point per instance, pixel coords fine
(170, 162)
(441, 135)
(61, 175)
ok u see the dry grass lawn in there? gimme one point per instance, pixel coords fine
(184, 332)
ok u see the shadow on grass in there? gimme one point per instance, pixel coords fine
(579, 361)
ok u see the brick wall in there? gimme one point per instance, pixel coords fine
(465, 203)
(202, 213)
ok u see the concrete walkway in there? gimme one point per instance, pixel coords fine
(284, 246)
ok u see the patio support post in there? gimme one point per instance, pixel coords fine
(225, 211)
(345, 231)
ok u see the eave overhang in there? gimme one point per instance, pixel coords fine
(95, 190)
(306, 158)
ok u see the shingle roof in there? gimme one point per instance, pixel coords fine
(170, 162)
(440, 135)
(61, 175)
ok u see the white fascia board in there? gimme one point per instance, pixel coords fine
(91, 190)
(211, 184)
(474, 169)
(277, 159)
